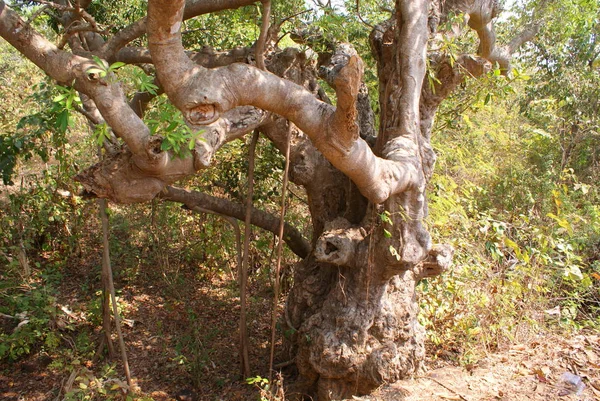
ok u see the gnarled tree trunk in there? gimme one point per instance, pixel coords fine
(353, 303)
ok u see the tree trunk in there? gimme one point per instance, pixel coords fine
(355, 331)
(353, 308)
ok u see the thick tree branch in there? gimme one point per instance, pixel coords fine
(262, 39)
(526, 35)
(204, 95)
(133, 55)
(449, 75)
(135, 175)
(71, 70)
(122, 38)
(234, 124)
(207, 57)
(120, 178)
(412, 48)
(140, 101)
(260, 218)
(33, 46)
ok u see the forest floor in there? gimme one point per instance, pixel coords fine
(181, 336)
(532, 371)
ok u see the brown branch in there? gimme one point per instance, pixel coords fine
(36, 48)
(91, 117)
(36, 14)
(122, 38)
(134, 55)
(70, 70)
(450, 75)
(360, 16)
(139, 172)
(481, 15)
(77, 29)
(286, 174)
(141, 100)
(400, 49)
(207, 57)
(111, 285)
(243, 269)
(262, 39)
(292, 237)
(527, 35)
(77, 10)
(413, 34)
(106, 312)
(56, 6)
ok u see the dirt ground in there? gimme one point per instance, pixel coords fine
(531, 371)
(182, 340)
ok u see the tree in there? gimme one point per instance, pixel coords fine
(563, 103)
(352, 308)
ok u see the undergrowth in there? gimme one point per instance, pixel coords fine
(526, 236)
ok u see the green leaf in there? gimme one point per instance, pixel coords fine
(513, 245)
(101, 63)
(574, 273)
(117, 65)
(58, 98)
(385, 217)
(69, 103)
(172, 126)
(62, 121)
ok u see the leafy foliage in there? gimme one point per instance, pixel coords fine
(525, 234)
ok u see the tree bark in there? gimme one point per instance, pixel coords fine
(357, 328)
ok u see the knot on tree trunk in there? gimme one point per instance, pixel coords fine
(118, 179)
(126, 177)
(339, 243)
(438, 260)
